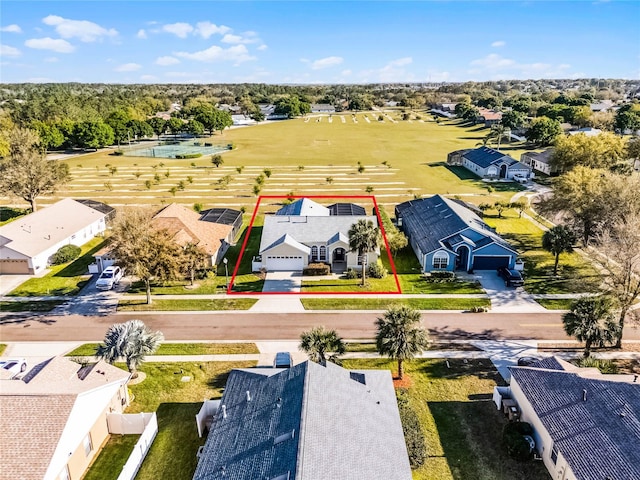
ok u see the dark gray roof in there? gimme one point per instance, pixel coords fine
(287, 239)
(599, 437)
(108, 210)
(433, 222)
(225, 216)
(346, 209)
(550, 363)
(485, 156)
(333, 425)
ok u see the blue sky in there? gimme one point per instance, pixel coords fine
(316, 42)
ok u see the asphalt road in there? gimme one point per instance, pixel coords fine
(284, 326)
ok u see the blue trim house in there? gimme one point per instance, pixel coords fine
(489, 163)
(445, 235)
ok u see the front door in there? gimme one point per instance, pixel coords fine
(339, 260)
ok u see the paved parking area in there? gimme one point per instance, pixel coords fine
(506, 299)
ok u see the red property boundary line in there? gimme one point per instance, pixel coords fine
(337, 197)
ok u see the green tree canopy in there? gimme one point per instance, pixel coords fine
(543, 131)
(158, 125)
(364, 237)
(591, 320)
(92, 135)
(600, 151)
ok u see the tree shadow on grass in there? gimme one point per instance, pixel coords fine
(445, 333)
(218, 381)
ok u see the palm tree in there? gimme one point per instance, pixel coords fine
(364, 237)
(592, 320)
(498, 132)
(400, 335)
(557, 240)
(130, 341)
(319, 341)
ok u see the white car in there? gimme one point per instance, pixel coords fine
(109, 278)
(14, 366)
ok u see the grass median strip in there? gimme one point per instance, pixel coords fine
(89, 349)
(186, 305)
(556, 303)
(30, 306)
(383, 303)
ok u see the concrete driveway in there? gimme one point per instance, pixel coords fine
(283, 282)
(91, 302)
(506, 299)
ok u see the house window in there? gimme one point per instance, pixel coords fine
(554, 454)
(314, 253)
(64, 474)
(88, 446)
(440, 260)
(323, 252)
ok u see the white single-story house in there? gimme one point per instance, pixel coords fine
(322, 108)
(55, 418)
(489, 163)
(446, 235)
(586, 424)
(539, 161)
(305, 232)
(27, 244)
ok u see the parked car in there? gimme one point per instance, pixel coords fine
(109, 278)
(512, 278)
(14, 366)
(283, 360)
(527, 361)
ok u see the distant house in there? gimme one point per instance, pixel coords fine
(240, 119)
(447, 107)
(308, 422)
(55, 418)
(586, 424)
(322, 108)
(489, 163)
(602, 106)
(304, 232)
(445, 235)
(268, 110)
(213, 230)
(539, 161)
(488, 117)
(27, 244)
(588, 131)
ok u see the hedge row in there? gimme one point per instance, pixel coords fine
(316, 269)
(183, 156)
(413, 435)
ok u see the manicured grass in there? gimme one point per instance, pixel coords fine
(386, 284)
(383, 304)
(555, 304)
(3, 347)
(462, 427)
(66, 279)
(9, 214)
(182, 305)
(89, 349)
(361, 347)
(30, 306)
(173, 453)
(205, 286)
(575, 273)
(245, 280)
(112, 458)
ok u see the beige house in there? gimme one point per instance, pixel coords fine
(27, 244)
(539, 161)
(586, 424)
(54, 419)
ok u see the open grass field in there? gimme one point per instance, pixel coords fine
(414, 153)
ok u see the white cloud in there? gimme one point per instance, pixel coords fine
(498, 67)
(206, 29)
(326, 62)
(236, 54)
(51, 59)
(141, 33)
(262, 47)
(83, 29)
(128, 67)
(493, 61)
(345, 73)
(248, 37)
(400, 62)
(148, 78)
(180, 29)
(499, 43)
(7, 51)
(13, 28)
(167, 60)
(393, 71)
(56, 45)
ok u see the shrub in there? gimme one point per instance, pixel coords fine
(197, 207)
(413, 434)
(65, 254)
(513, 440)
(184, 156)
(605, 366)
(376, 270)
(352, 274)
(478, 309)
(316, 269)
(440, 277)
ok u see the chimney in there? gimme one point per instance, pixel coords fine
(584, 395)
(248, 396)
(279, 402)
(224, 411)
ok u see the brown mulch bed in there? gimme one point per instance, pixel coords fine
(406, 382)
(628, 366)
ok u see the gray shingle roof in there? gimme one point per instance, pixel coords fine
(342, 428)
(287, 239)
(599, 437)
(485, 156)
(433, 223)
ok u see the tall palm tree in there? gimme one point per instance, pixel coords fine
(130, 341)
(557, 240)
(497, 133)
(364, 237)
(400, 335)
(320, 342)
(592, 320)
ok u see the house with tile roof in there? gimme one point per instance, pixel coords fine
(586, 424)
(305, 232)
(27, 244)
(212, 230)
(445, 235)
(308, 422)
(54, 419)
(488, 117)
(489, 163)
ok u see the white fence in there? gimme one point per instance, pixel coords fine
(144, 423)
(206, 414)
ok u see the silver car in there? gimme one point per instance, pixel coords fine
(109, 278)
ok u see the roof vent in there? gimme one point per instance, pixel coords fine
(224, 411)
(279, 402)
(584, 395)
(284, 437)
(285, 476)
(248, 396)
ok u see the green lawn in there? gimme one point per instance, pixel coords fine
(461, 424)
(112, 458)
(186, 305)
(89, 349)
(205, 286)
(555, 304)
(360, 347)
(383, 304)
(65, 279)
(30, 306)
(386, 284)
(575, 274)
(173, 453)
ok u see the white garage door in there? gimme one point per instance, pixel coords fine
(11, 266)
(284, 263)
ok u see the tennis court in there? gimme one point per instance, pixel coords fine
(170, 150)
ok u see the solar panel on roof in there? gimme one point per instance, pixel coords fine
(346, 209)
(225, 216)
